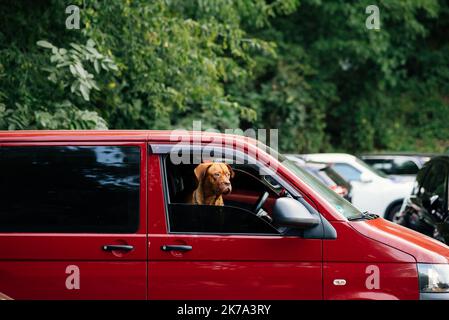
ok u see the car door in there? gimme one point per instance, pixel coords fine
(73, 221)
(208, 252)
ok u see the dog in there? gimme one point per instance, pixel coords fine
(213, 181)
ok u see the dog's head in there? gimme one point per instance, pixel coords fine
(215, 177)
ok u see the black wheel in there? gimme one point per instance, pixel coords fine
(394, 214)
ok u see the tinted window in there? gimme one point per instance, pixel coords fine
(420, 178)
(381, 164)
(216, 219)
(394, 166)
(405, 167)
(69, 189)
(434, 183)
(346, 171)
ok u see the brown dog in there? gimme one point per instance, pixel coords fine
(213, 181)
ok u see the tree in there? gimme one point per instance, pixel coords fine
(309, 68)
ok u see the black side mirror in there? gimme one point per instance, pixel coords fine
(288, 212)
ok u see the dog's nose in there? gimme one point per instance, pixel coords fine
(227, 183)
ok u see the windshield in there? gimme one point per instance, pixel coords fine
(340, 204)
(336, 201)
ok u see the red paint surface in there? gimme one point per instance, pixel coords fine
(396, 281)
(423, 248)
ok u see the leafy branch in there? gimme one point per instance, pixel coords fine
(71, 66)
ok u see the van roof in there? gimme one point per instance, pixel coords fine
(166, 136)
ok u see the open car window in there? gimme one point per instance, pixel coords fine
(236, 216)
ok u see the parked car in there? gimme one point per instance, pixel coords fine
(397, 165)
(324, 173)
(426, 210)
(102, 215)
(372, 190)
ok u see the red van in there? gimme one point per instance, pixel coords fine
(102, 215)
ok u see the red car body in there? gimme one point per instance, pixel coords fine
(34, 265)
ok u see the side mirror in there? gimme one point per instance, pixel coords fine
(365, 178)
(288, 212)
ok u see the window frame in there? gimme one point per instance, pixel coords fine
(163, 151)
(141, 212)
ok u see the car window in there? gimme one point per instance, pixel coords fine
(397, 165)
(234, 217)
(346, 171)
(316, 173)
(188, 218)
(341, 206)
(370, 168)
(384, 165)
(337, 178)
(91, 189)
(404, 166)
(325, 178)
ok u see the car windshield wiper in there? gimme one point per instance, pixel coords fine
(364, 216)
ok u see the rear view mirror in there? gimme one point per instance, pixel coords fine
(288, 212)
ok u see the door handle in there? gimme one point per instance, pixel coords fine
(176, 248)
(113, 247)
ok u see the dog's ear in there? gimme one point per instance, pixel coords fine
(230, 170)
(200, 170)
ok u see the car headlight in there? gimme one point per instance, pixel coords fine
(433, 278)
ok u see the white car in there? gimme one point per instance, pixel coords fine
(372, 190)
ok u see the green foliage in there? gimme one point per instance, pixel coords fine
(379, 81)
(176, 59)
(68, 68)
(309, 68)
(45, 88)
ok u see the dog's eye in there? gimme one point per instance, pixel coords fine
(216, 174)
